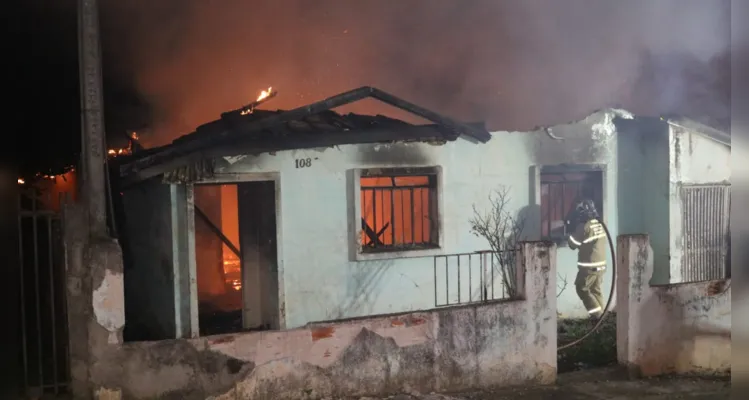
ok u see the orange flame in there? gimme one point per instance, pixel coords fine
(39, 176)
(118, 152)
(124, 150)
(263, 95)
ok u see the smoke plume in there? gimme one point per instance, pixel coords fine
(514, 64)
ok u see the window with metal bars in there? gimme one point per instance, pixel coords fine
(705, 232)
(560, 193)
(398, 210)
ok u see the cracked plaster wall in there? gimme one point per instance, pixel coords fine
(489, 345)
(693, 330)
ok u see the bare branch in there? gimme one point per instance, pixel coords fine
(563, 286)
(503, 230)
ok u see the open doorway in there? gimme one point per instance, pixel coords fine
(561, 188)
(236, 257)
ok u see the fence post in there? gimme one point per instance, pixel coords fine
(538, 286)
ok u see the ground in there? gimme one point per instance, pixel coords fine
(597, 350)
(600, 384)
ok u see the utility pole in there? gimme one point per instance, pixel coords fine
(93, 155)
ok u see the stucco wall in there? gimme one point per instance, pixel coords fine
(693, 329)
(693, 159)
(320, 280)
(483, 346)
(149, 275)
(643, 186)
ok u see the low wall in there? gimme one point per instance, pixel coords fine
(677, 328)
(478, 346)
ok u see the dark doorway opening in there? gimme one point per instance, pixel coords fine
(236, 257)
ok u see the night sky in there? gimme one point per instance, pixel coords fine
(46, 114)
(171, 65)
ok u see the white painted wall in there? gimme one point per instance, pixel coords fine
(693, 159)
(692, 329)
(321, 281)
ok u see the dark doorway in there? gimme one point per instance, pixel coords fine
(236, 257)
(257, 238)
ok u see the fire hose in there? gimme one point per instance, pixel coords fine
(611, 294)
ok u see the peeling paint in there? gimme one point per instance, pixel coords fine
(222, 339)
(109, 304)
(486, 345)
(322, 333)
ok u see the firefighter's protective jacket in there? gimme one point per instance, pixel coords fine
(590, 240)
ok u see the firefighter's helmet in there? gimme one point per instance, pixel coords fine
(586, 210)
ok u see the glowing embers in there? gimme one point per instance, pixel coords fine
(232, 271)
(124, 150)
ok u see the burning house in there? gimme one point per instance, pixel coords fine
(307, 253)
(275, 219)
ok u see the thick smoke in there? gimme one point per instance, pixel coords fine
(515, 64)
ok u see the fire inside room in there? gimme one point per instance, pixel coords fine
(397, 211)
(235, 255)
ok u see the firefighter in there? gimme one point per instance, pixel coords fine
(589, 239)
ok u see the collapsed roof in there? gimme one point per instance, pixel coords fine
(312, 126)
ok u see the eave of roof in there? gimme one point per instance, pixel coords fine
(235, 130)
(702, 129)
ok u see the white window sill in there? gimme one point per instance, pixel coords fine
(392, 255)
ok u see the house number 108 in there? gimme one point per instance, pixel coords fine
(303, 162)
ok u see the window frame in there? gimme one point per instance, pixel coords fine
(356, 251)
(599, 169)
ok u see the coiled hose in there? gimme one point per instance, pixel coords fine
(611, 293)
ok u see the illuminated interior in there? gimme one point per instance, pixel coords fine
(396, 210)
(218, 267)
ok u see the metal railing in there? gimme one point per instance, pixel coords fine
(400, 217)
(43, 327)
(477, 277)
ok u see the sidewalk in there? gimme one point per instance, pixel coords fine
(607, 384)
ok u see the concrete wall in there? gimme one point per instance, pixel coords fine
(149, 270)
(323, 281)
(643, 189)
(677, 328)
(693, 159)
(483, 346)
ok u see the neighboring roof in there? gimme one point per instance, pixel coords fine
(702, 129)
(624, 115)
(311, 126)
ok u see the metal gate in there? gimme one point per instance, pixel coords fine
(44, 339)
